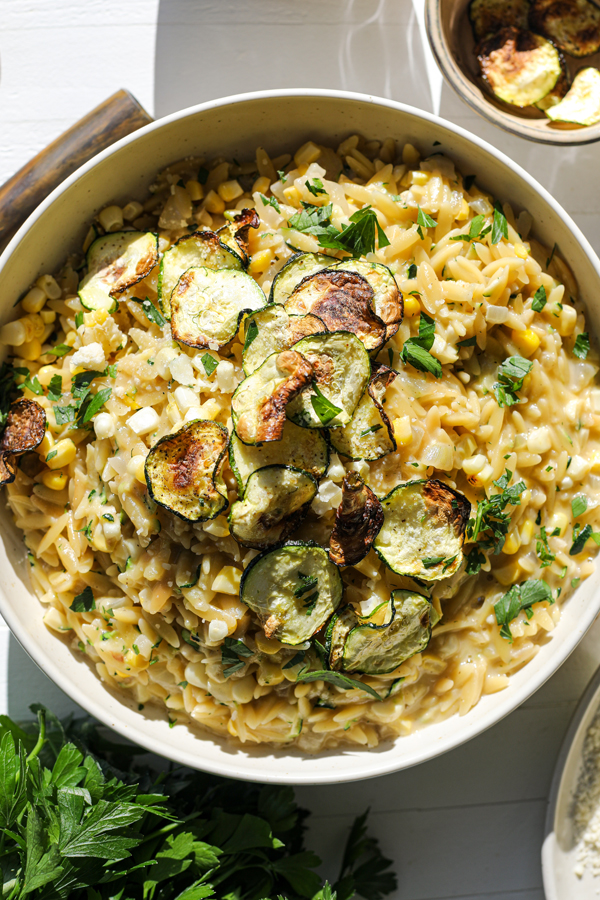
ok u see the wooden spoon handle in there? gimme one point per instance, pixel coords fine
(116, 117)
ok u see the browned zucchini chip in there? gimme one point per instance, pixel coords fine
(343, 301)
(301, 448)
(235, 234)
(489, 16)
(423, 529)
(8, 468)
(276, 500)
(357, 522)
(182, 471)
(273, 329)
(558, 91)
(369, 434)
(573, 25)
(207, 305)
(115, 262)
(388, 302)
(581, 105)
(258, 404)
(299, 266)
(25, 427)
(202, 248)
(519, 67)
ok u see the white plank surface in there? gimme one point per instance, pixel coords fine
(468, 825)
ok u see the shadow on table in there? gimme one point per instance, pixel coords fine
(214, 49)
(27, 684)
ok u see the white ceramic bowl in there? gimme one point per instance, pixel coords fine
(235, 126)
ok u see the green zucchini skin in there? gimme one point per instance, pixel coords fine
(275, 330)
(276, 500)
(115, 262)
(201, 248)
(299, 266)
(369, 434)
(519, 67)
(298, 447)
(573, 25)
(176, 474)
(271, 584)
(356, 645)
(423, 530)
(581, 105)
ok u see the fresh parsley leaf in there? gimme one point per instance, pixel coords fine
(282, 176)
(55, 388)
(412, 271)
(500, 225)
(371, 430)
(579, 504)
(153, 313)
(551, 257)
(251, 333)
(511, 374)
(543, 551)
(61, 350)
(51, 455)
(519, 597)
(295, 660)
(79, 319)
(313, 220)
(65, 414)
(209, 363)
(581, 347)
(430, 561)
(581, 537)
(490, 525)
(539, 299)
(33, 385)
(468, 342)
(339, 680)
(416, 349)
(80, 384)
(307, 583)
(84, 602)
(271, 201)
(324, 408)
(233, 653)
(474, 561)
(92, 405)
(315, 186)
(424, 221)
(477, 230)
(358, 238)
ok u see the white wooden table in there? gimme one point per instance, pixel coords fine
(469, 824)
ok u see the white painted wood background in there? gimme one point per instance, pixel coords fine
(468, 825)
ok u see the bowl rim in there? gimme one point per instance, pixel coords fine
(467, 91)
(369, 764)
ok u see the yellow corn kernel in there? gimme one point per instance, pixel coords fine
(261, 185)
(132, 210)
(230, 190)
(45, 375)
(402, 430)
(111, 218)
(464, 213)
(136, 660)
(418, 177)
(483, 477)
(36, 325)
(70, 338)
(214, 203)
(412, 307)
(128, 401)
(47, 444)
(49, 285)
(307, 154)
(135, 467)
(267, 645)
(195, 190)
(260, 261)
(512, 543)
(558, 520)
(292, 195)
(526, 532)
(13, 333)
(97, 317)
(521, 251)
(48, 316)
(526, 341)
(56, 480)
(567, 321)
(595, 461)
(62, 454)
(34, 300)
(210, 409)
(228, 581)
(30, 350)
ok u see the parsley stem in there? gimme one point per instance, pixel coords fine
(41, 739)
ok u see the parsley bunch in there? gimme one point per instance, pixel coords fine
(72, 825)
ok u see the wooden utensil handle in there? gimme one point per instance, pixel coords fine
(116, 117)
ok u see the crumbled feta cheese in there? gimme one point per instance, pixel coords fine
(217, 630)
(194, 412)
(328, 497)
(579, 468)
(539, 440)
(144, 420)
(104, 425)
(443, 351)
(336, 470)
(90, 357)
(226, 376)
(181, 369)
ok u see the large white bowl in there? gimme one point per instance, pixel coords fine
(234, 127)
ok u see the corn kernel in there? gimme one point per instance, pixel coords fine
(230, 190)
(132, 210)
(512, 543)
(70, 338)
(527, 532)
(49, 285)
(419, 178)
(567, 321)
(136, 660)
(595, 461)
(210, 409)
(135, 467)
(45, 375)
(402, 430)
(214, 203)
(98, 317)
(46, 445)
(527, 342)
(111, 218)
(31, 350)
(521, 251)
(267, 645)
(464, 211)
(228, 581)
(474, 464)
(557, 520)
(48, 316)
(13, 333)
(292, 195)
(260, 261)
(195, 190)
(62, 454)
(412, 307)
(483, 477)
(307, 154)
(34, 300)
(261, 185)
(56, 480)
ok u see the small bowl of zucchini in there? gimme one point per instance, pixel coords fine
(530, 66)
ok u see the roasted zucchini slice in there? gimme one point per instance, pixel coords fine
(298, 447)
(519, 67)
(273, 329)
(182, 471)
(293, 590)
(423, 529)
(558, 91)
(258, 405)
(235, 234)
(202, 248)
(115, 262)
(341, 370)
(489, 16)
(343, 301)
(207, 305)
(276, 500)
(299, 266)
(388, 302)
(24, 430)
(358, 520)
(581, 105)
(369, 434)
(573, 25)
(359, 645)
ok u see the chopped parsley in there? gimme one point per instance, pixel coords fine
(61, 350)
(581, 537)
(416, 349)
(358, 238)
(490, 525)
(430, 561)
(282, 176)
(153, 313)
(412, 271)
(78, 319)
(520, 597)
(233, 654)
(539, 299)
(499, 226)
(315, 186)
(477, 230)
(581, 347)
(251, 333)
(271, 201)
(424, 221)
(579, 504)
(84, 602)
(209, 363)
(543, 551)
(511, 374)
(55, 388)
(371, 430)
(337, 679)
(31, 384)
(324, 408)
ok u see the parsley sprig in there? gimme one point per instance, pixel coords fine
(520, 597)
(511, 375)
(477, 230)
(491, 522)
(358, 238)
(234, 654)
(416, 349)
